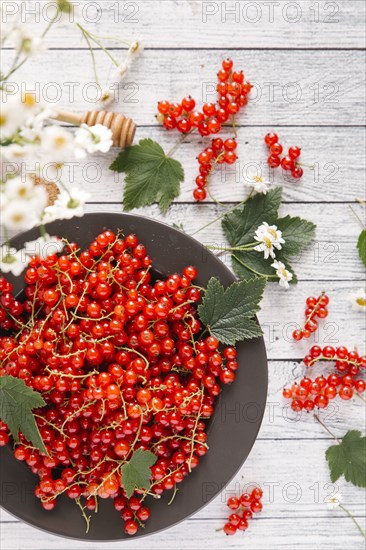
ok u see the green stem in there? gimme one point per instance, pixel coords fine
(223, 214)
(354, 520)
(17, 65)
(253, 270)
(247, 247)
(86, 37)
(94, 39)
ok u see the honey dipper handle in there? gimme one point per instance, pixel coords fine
(68, 116)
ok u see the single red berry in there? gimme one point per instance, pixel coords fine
(297, 172)
(276, 149)
(233, 503)
(230, 529)
(273, 161)
(294, 152)
(188, 104)
(270, 139)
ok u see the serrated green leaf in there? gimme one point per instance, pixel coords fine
(298, 233)
(152, 176)
(229, 313)
(349, 459)
(361, 245)
(239, 226)
(136, 473)
(17, 400)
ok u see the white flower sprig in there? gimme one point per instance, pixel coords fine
(259, 186)
(270, 238)
(358, 300)
(284, 275)
(334, 501)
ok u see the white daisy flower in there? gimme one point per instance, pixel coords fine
(269, 237)
(11, 261)
(43, 247)
(93, 138)
(26, 41)
(69, 204)
(68, 11)
(19, 189)
(107, 97)
(18, 216)
(17, 153)
(11, 117)
(282, 273)
(135, 50)
(358, 300)
(57, 144)
(334, 501)
(259, 186)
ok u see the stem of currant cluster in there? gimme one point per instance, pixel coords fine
(179, 142)
(317, 418)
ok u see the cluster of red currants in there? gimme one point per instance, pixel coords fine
(243, 509)
(121, 362)
(316, 307)
(233, 90)
(309, 393)
(220, 152)
(288, 162)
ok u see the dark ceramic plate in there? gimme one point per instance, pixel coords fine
(232, 430)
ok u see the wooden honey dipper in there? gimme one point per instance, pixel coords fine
(123, 129)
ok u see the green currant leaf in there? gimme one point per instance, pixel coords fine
(349, 459)
(249, 265)
(136, 473)
(298, 233)
(152, 176)
(240, 225)
(228, 314)
(361, 245)
(17, 400)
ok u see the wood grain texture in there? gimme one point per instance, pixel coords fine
(309, 87)
(338, 173)
(198, 24)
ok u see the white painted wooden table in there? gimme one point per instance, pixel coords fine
(306, 60)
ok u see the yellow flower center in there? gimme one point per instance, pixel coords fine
(361, 302)
(29, 100)
(3, 120)
(60, 142)
(267, 241)
(17, 218)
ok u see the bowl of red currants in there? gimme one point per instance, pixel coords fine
(146, 415)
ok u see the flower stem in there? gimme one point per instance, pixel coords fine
(325, 427)
(223, 214)
(354, 520)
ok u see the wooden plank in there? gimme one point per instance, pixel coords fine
(264, 532)
(280, 24)
(309, 90)
(338, 173)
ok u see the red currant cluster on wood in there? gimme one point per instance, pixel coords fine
(316, 307)
(243, 509)
(220, 152)
(309, 393)
(121, 362)
(233, 90)
(288, 162)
